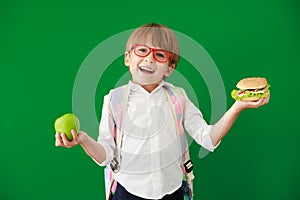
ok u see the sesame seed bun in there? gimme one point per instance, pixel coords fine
(251, 83)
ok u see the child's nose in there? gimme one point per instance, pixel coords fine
(150, 58)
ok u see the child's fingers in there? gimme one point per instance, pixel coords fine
(263, 101)
(267, 99)
(67, 143)
(74, 134)
(65, 140)
(257, 103)
(58, 139)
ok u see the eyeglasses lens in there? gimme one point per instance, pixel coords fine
(159, 55)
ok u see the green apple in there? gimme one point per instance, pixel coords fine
(66, 123)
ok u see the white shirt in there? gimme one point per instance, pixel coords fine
(151, 162)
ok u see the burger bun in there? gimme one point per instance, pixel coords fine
(249, 99)
(251, 83)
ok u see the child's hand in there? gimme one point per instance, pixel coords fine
(242, 105)
(61, 139)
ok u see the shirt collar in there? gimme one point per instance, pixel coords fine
(135, 87)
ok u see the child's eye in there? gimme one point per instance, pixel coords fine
(160, 54)
(142, 50)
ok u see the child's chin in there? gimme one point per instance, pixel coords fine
(150, 83)
(146, 82)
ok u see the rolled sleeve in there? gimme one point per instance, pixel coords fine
(106, 132)
(109, 156)
(207, 141)
(197, 127)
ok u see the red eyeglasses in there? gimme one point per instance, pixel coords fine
(159, 55)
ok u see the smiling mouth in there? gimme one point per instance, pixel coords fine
(146, 69)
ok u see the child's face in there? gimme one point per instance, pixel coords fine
(147, 70)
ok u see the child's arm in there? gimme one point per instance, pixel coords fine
(101, 151)
(90, 146)
(220, 129)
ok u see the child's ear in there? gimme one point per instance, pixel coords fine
(170, 70)
(127, 58)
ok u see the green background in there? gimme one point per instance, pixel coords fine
(43, 44)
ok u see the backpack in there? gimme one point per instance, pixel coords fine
(118, 102)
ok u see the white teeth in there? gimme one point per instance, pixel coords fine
(147, 69)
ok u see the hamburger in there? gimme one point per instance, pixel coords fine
(251, 89)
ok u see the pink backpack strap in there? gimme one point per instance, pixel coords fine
(118, 102)
(178, 99)
(178, 104)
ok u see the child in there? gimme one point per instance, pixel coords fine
(151, 164)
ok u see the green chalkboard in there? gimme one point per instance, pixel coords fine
(44, 45)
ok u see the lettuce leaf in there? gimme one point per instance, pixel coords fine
(234, 94)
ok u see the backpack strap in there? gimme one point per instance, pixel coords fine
(118, 106)
(118, 98)
(177, 106)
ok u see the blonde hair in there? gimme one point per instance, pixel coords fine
(159, 35)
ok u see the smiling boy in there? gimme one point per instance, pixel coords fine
(151, 164)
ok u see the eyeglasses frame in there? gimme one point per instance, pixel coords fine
(170, 55)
